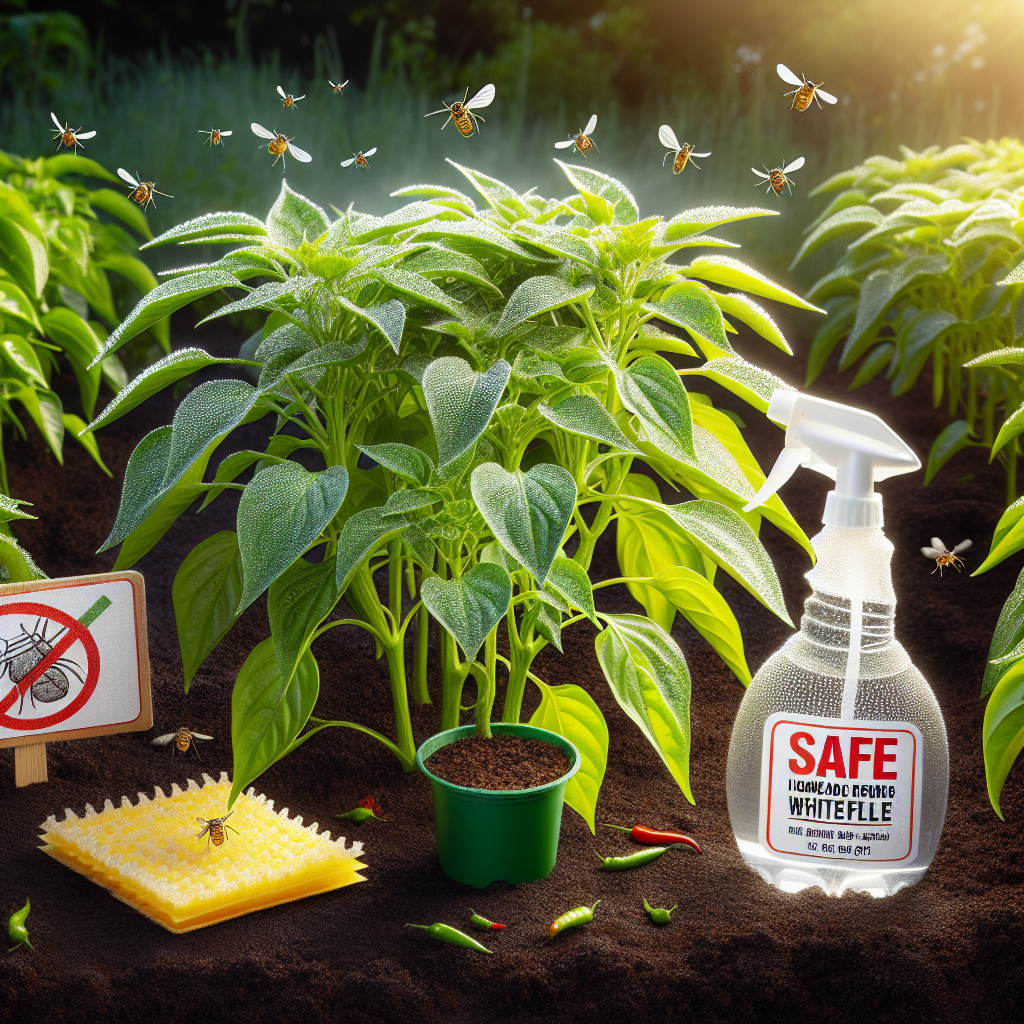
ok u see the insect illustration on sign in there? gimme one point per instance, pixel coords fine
(213, 829)
(805, 90)
(337, 86)
(143, 192)
(215, 134)
(24, 651)
(182, 739)
(287, 99)
(778, 178)
(462, 112)
(581, 140)
(69, 137)
(279, 145)
(359, 159)
(681, 155)
(943, 556)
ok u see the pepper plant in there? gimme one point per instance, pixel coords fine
(57, 304)
(478, 387)
(932, 237)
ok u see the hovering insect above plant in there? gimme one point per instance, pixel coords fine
(943, 556)
(805, 90)
(287, 99)
(337, 86)
(777, 178)
(69, 137)
(462, 113)
(681, 155)
(581, 140)
(359, 159)
(216, 135)
(214, 830)
(143, 192)
(182, 739)
(279, 145)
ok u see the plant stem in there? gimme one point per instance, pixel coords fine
(400, 701)
(518, 670)
(486, 686)
(453, 676)
(420, 691)
(1011, 473)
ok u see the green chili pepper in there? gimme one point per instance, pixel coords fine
(16, 930)
(632, 860)
(483, 924)
(367, 808)
(571, 919)
(452, 936)
(658, 914)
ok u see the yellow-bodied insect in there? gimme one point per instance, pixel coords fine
(215, 135)
(681, 155)
(805, 90)
(462, 112)
(182, 739)
(279, 145)
(287, 99)
(777, 178)
(213, 829)
(359, 159)
(581, 140)
(143, 192)
(337, 86)
(69, 137)
(943, 556)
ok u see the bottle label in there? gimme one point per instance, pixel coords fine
(839, 791)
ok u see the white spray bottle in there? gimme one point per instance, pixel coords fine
(838, 764)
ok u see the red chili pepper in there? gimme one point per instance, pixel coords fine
(652, 837)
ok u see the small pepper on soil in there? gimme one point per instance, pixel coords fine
(649, 836)
(16, 930)
(632, 860)
(483, 924)
(366, 808)
(451, 936)
(659, 915)
(571, 919)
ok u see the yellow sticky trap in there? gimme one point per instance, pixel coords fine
(148, 855)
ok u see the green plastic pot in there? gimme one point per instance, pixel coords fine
(487, 835)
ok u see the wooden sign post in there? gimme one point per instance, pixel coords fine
(74, 662)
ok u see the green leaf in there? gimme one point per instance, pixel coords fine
(438, 261)
(569, 579)
(841, 311)
(471, 606)
(691, 306)
(18, 562)
(71, 163)
(23, 255)
(15, 303)
(361, 535)
(730, 273)
(293, 219)
(461, 402)
(403, 460)
(1003, 731)
(500, 197)
(706, 610)
(651, 683)
(10, 509)
(472, 234)
(754, 316)
(589, 182)
(878, 359)
(74, 425)
(283, 509)
(705, 218)
(120, 206)
(1000, 357)
(651, 389)
(388, 317)
(916, 342)
(1008, 538)
(559, 242)
(953, 439)
(539, 294)
(263, 297)
(80, 344)
(179, 364)
(754, 385)
(586, 416)
(297, 602)
(1007, 645)
(527, 512)
(852, 219)
(22, 360)
(143, 477)
(206, 590)
(45, 409)
(548, 624)
(570, 712)
(268, 712)
(214, 225)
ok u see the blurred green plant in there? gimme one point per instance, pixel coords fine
(57, 305)
(933, 236)
(477, 384)
(41, 52)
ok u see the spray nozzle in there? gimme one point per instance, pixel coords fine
(853, 447)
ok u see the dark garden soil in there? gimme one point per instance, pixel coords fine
(501, 762)
(949, 949)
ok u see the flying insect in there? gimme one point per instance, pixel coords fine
(279, 145)
(359, 159)
(182, 739)
(777, 178)
(462, 113)
(287, 99)
(681, 155)
(805, 90)
(69, 137)
(213, 828)
(337, 86)
(143, 192)
(216, 135)
(943, 556)
(581, 140)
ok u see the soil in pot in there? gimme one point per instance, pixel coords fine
(498, 763)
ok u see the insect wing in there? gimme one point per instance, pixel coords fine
(667, 137)
(962, 546)
(349, 162)
(224, 135)
(760, 174)
(484, 98)
(370, 152)
(937, 543)
(262, 132)
(932, 552)
(201, 736)
(125, 176)
(85, 135)
(591, 124)
(56, 122)
(282, 93)
(299, 154)
(794, 166)
(826, 96)
(787, 76)
(162, 741)
(700, 155)
(566, 144)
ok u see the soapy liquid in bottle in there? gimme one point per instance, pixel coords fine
(852, 807)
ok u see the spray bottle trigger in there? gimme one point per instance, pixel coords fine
(789, 461)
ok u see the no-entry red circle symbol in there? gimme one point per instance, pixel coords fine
(75, 632)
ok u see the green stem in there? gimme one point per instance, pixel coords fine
(395, 579)
(453, 677)
(321, 723)
(518, 668)
(420, 691)
(1011, 473)
(486, 685)
(400, 702)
